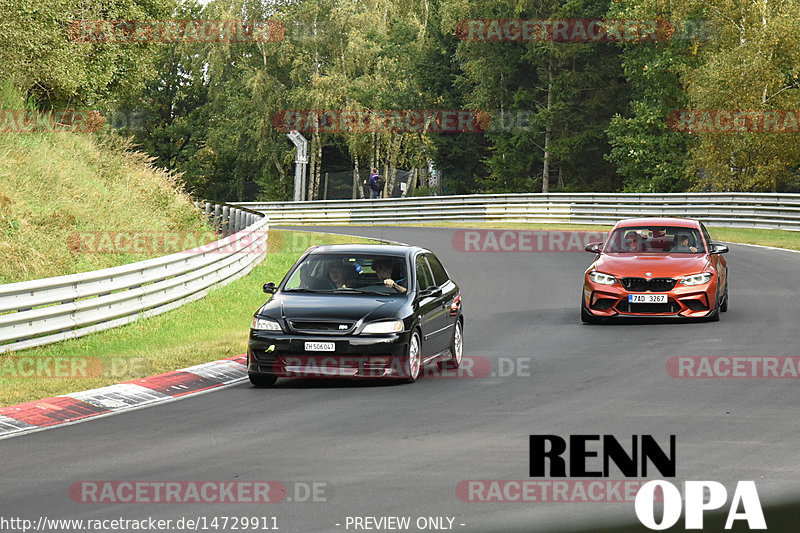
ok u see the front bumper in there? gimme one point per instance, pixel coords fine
(693, 301)
(355, 356)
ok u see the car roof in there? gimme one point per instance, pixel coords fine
(658, 221)
(386, 249)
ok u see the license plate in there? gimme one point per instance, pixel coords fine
(647, 298)
(320, 346)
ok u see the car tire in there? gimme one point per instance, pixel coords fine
(724, 305)
(262, 380)
(713, 316)
(586, 316)
(412, 363)
(456, 348)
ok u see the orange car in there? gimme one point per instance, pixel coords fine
(656, 267)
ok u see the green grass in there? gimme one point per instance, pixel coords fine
(208, 329)
(55, 184)
(765, 237)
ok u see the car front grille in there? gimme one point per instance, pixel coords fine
(651, 285)
(628, 307)
(322, 327)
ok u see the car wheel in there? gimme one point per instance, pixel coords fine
(456, 348)
(724, 306)
(586, 316)
(413, 360)
(713, 316)
(263, 380)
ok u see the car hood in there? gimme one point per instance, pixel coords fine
(658, 265)
(332, 306)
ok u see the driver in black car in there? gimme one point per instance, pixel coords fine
(383, 268)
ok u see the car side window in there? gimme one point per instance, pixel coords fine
(705, 234)
(439, 273)
(424, 277)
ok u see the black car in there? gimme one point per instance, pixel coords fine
(357, 310)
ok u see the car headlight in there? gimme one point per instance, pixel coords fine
(265, 324)
(386, 326)
(603, 279)
(696, 279)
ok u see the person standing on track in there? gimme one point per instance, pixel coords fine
(375, 184)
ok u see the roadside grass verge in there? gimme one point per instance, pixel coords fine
(208, 329)
(764, 237)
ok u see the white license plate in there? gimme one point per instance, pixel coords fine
(320, 346)
(647, 298)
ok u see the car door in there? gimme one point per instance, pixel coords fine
(428, 308)
(444, 321)
(718, 262)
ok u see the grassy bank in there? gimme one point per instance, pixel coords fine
(53, 185)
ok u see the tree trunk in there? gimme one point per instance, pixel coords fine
(358, 190)
(546, 165)
(310, 185)
(318, 172)
(373, 157)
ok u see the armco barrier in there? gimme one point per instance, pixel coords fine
(38, 312)
(748, 210)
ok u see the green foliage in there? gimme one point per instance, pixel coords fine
(36, 52)
(593, 114)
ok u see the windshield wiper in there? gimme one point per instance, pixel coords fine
(359, 291)
(303, 289)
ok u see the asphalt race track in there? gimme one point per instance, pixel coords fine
(401, 450)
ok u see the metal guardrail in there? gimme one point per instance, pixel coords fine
(748, 210)
(43, 311)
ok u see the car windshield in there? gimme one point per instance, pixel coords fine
(349, 274)
(655, 240)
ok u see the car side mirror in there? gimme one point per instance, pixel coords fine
(432, 291)
(594, 247)
(717, 248)
(270, 288)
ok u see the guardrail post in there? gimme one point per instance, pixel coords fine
(217, 222)
(233, 226)
(239, 224)
(226, 218)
